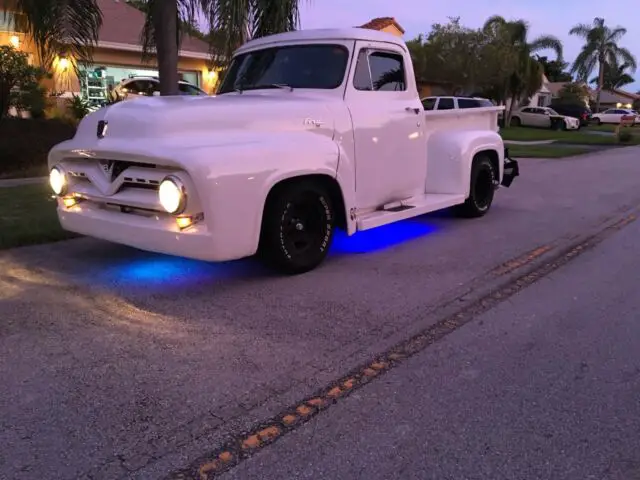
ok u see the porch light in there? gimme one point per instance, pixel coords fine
(14, 40)
(212, 75)
(63, 63)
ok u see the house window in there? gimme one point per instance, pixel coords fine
(10, 22)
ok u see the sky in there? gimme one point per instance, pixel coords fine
(545, 17)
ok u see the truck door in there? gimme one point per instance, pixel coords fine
(390, 148)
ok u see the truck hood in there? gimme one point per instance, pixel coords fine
(161, 117)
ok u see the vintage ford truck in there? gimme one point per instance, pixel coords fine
(310, 131)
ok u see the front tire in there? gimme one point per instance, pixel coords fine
(482, 189)
(297, 228)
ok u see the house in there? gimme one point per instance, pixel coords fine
(542, 97)
(616, 99)
(385, 24)
(117, 55)
(556, 87)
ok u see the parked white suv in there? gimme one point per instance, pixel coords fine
(149, 86)
(453, 103)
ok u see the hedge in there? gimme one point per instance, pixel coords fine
(25, 143)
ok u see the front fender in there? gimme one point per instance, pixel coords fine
(450, 155)
(233, 180)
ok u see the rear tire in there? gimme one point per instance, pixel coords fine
(297, 228)
(482, 189)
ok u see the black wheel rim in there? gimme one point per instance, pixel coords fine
(483, 188)
(304, 226)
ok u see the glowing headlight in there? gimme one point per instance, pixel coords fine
(172, 195)
(58, 180)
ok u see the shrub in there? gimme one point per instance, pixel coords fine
(25, 143)
(19, 82)
(624, 136)
(79, 107)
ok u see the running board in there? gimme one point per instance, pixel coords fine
(409, 208)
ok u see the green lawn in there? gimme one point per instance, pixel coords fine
(28, 216)
(574, 137)
(545, 151)
(609, 127)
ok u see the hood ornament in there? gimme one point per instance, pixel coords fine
(108, 167)
(103, 125)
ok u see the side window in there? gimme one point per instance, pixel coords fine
(362, 76)
(526, 110)
(429, 103)
(446, 104)
(139, 87)
(383, 72)
(468, 103)
(609, 111)
(186, 89)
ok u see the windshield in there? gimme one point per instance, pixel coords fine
(298, 66)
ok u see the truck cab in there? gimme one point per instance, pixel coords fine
(310, 131)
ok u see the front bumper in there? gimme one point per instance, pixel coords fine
(152, 233)
(511, 170)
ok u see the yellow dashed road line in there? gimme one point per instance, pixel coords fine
(245, 445)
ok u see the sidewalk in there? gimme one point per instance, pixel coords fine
(16, 182)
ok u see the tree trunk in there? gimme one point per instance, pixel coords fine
(165, 26)
(600, 85)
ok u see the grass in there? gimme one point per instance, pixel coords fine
(565, 136)
(28, 217)
(609, 127)
(546, 151)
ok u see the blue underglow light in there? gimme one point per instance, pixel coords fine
(155, 270)
(381, 237)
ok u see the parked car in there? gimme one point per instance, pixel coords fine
(614, 115)
(270, 165)
(543, 117)
(452, 103)
(149, 86)
(581, 112)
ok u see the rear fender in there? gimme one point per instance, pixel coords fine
(450, 155)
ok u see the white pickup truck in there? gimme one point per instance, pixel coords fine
(310, 131)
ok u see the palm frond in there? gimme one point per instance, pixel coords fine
(581, 30)
(547, 42)
(627, 58)
(585, 62)
(61, 27)
(616, 34)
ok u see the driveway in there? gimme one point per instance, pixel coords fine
(123, 364)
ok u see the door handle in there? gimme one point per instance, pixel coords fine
(413, 109)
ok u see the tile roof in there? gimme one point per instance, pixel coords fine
(122, 23)
(382, 23)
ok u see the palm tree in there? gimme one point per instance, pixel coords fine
(59, 27)
(600, 48)
(615, 76)
(73, 26)
(526, 79)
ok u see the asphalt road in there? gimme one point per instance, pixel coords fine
(122, 364)
(544, 386)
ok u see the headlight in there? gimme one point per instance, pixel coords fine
(58, 180)
(172, 195)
